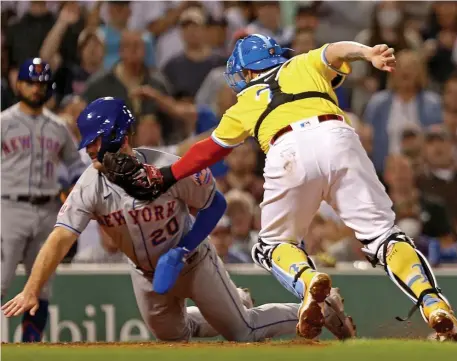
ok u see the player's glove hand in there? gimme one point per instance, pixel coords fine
(141, 181)
(168, 269)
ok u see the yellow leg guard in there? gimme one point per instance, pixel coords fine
(292, 267)
(403, 261)
(410, 271)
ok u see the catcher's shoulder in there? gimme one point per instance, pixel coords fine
(158, 157)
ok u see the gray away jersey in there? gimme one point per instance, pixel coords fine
(142, 230)
(32, 148)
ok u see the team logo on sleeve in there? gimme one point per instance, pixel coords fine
(203, 177)
(64, 208)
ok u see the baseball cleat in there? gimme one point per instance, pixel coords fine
(440, 317)
(336, 321)
(311, 315)
(444, 323)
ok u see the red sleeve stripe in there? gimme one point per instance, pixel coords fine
(200, 156)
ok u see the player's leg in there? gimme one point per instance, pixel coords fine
(293, 193)
(217, 298)
(15, 232)
(362, 203)
(204, 328)
(44, 219)
(166, 315)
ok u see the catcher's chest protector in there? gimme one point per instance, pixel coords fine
(278, 97)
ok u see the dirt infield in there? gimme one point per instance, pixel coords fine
(155, 344)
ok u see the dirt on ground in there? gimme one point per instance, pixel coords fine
(155, 344)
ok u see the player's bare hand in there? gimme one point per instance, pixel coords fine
(20, 304)
(383, 58)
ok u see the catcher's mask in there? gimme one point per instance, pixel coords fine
(108, 118)
(254, 52)
(36, 71)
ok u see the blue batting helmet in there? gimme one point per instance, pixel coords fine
(254, 52)
(36, 70)
(108, 118)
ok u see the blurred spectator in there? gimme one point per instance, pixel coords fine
(162, 21)
(126, 76)
(417, 214)
(387, 27)
(191, 119)
(241, 211)
(406, 103)
(399, 178)
(101, 248)
(268, 22)
(442, 250)
(24, 37)
(216, 35)
(441, 41)
(365, 133)
(8, 96)
(339, 243)
(69, 110)
(411, 147)
(222, 240)
(303, 42)
(306, 19)
(439, 178)
(238, 14)
(214, 83)
(71, 77)
(242, 162)
(450, 108)
(148, 131)
(187, 71)
(225, 98)
(118, 17)
(342, 20)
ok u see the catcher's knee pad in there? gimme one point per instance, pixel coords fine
(405, 265)
(287, 271)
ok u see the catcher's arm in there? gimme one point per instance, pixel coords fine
(201, 155)
(146, 182)
(381, 56)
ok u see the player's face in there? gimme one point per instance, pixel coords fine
(33, 93)
(92, 150)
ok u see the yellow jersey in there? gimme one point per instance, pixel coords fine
(305, 72)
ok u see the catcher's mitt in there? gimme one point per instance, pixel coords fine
(140, 181)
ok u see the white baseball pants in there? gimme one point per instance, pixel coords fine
(322, 161)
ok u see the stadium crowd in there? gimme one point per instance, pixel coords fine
(166, 60)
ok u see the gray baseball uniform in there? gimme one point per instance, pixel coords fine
(32, 148)
(145, 230)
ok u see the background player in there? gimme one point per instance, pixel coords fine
(34, 142)
(313, 154)
(156, 236)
